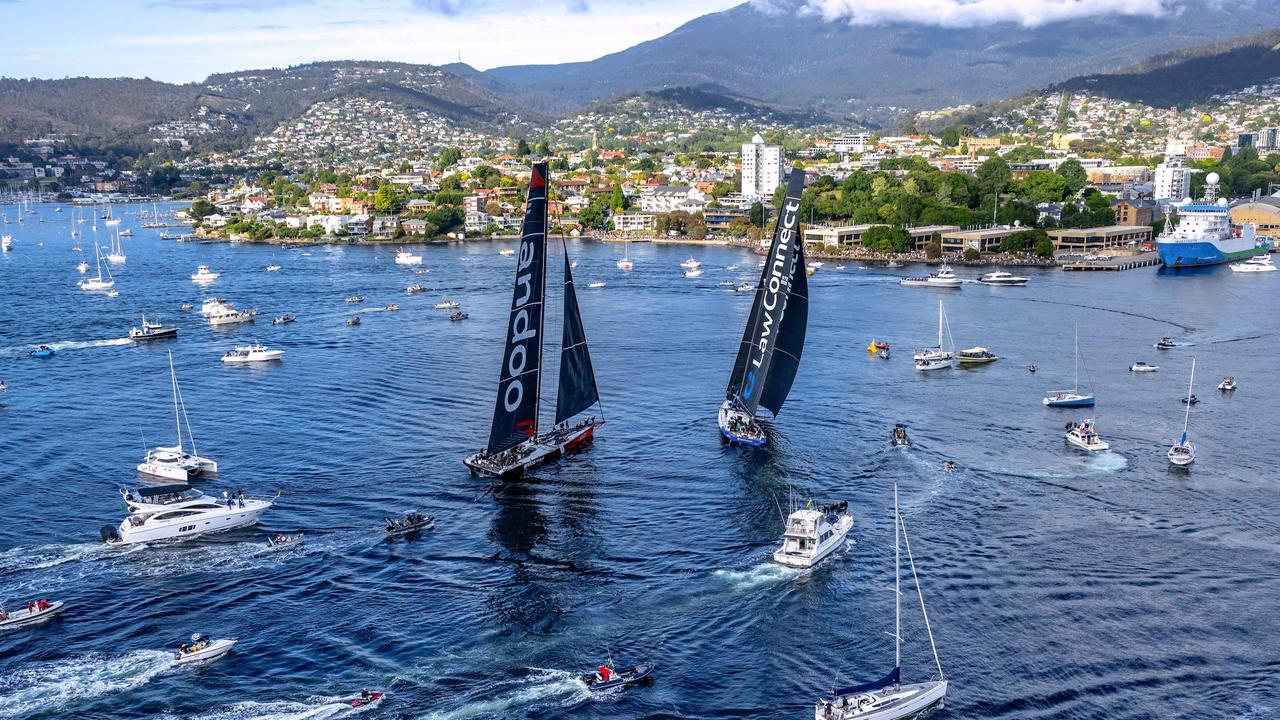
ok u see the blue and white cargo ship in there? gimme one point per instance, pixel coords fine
(1203, 235)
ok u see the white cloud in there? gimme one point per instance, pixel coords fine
(963, 13)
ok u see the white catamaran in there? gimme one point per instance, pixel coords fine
(888, 698)
(174, 462)
(515, 444)
(769, 354)
(1183, 452)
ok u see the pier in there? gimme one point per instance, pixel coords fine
(1119, 263)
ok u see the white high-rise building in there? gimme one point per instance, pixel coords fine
(763, 168)
(1173, 177)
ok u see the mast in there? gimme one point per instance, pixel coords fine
(939, 324)
(515, 410)
(177, 419)
(1186, 419)
(897, 585)
(1077, 357)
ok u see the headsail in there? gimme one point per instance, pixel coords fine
(772, 334)
(515, 412)
(577, 390)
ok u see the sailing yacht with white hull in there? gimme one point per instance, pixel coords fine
(96, 284)
(1183, 453)
(515, 445)
(174, 462)
(936, 358)
(769, 354)
(888, 698)
(1072, 397)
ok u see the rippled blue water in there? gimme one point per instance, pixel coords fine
(1059, 586)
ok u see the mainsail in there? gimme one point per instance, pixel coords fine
(577, 389)
(769, 354)
(515, 412)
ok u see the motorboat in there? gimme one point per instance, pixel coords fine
(1165, 343)
(1143, 367)
(410, 523)
(169, 512)
(447, 304)
(127, 232)
(607, 678)
(281, 540)
(202, 649)
(204, 274)
(273, 267)
(404, 257)
(899, 436)
(745, 288)
(893, 264)
(35, 613)
(459, 316)
(228, 315)
(1000, 277)
(283, 319)
(725, 283)
(212, 306)
(41, 351)
(694, 273)
(1255, 264)
(252, 353)
(1084, 435)
(6, 242)
(738, 426)
(889, 698)
(152, 331)
(944, 278)
(596, 285)
(1190, 399)
(355, 299)
(839, 267)
(415, 288)
(83, 267)
(506, 252)
(186, 306)
(935, 358)
(812, 535)
(353, 320)
(1183, 452)
(421, 271)
(976, 356)
(690, 264)
(391, 307)
(1228, 384)
(732, 268)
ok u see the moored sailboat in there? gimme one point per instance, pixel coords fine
(515, 445)
(174, 462)
(1183, 452)
(769, 354)
(936, 357)
(1072, 397)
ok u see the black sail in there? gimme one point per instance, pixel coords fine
(769, 314)
(515, 413)
(577, 389)
(792, 328)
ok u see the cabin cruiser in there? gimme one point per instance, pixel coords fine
(33, 614)
(228, 315)
(944, 278)
(811, 535)
(1165, 343)
(745, 287)
(1257, 263)
(203, 648)
(447, 304)
(976, 356)
(1084, 435)
(127, 232)
(252, 353)
(1001, 277)
(1143, 367)
(404, 257)
(693, 273)
(179, 511)
(415, 288)
(690, 264)
(1228, 383)
(355, 299)
(152, 331)
(204, 274)
(213, 305)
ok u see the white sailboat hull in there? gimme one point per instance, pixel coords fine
(888, 704)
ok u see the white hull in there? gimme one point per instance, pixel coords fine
(186, 527)
(26, 618)
(887, 704)
(1180, 457)
(265, 356)
(212, 651)
(808, 560)
(1077, 441)
(232, 318)
(95, 285)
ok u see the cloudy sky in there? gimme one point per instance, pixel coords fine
(186, 40)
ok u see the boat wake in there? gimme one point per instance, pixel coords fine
(319, 708)
(62, 345)
(555, 688)
(759, 576)
(54, 688)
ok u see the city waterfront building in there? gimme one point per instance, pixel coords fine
(1109, 237)
(1173, 177)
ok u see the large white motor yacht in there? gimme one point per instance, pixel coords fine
(213, 305)
(179, 511)
(252, 353)
(944, 278)
(813, 534)
(1000, 277)
(404, 257)
(1257, 263)
(228, 315)
(690, 264)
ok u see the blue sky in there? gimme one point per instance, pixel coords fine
(187, 40)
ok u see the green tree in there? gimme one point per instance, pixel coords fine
(617, 200)
(591, 216)
(1073, 173)
(1044, 248)
(994, 176)
(450, 182)
(971, 254)
(1022, 240)
(387, 200)
(887, 239)
(933, 250)
(447, 158)
(757, 214)
(201, 208)
(522, 148)
(951, 137)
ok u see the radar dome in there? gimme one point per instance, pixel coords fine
(1186, 200)
(1212, 179)
(1222, 202)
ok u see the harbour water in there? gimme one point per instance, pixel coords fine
(1059, 585)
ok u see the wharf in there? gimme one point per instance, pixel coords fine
(1118, 263)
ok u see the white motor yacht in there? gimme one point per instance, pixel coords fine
(693, 273)
(273, 267)
(404, 257)
(1084, 435)
(1255, 264)
(690, 264)
(447, 304)
(228, 315)
(944, 278)
(213, 305)
(179, 511)
(202, 649)
(1001, 277)
(1228, 384)
(745, 287)
(204, 274)
(1143, 367)
(252, 353)
(813, 534)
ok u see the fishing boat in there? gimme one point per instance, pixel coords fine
(1072, 397)
(1255, 264)
(1000, 277)
(228, 315)
(36, 613)
(1084, 435)
(202, 648)
(769, 353)
(213, 305)
(152, 331)
(515, 443)
(944, 278)
(1228, 384)
(690, 264)
(98, 283)
(174, 462)
(812, 534)
(404, 257)
(1183, 452)
(447, 304)
(976, 356)
(625, 263)
(180, 512)
(936, 358)
(607, 678)
(1142, 367)
(204, 274)
(889, 698)
(256, 352)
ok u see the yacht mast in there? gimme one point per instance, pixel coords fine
(177, 419)
(939, 324)
(897, 585)
(1077, 357)
(1187, 416)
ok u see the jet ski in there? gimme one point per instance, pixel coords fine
(606, 678)
(365, 698)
